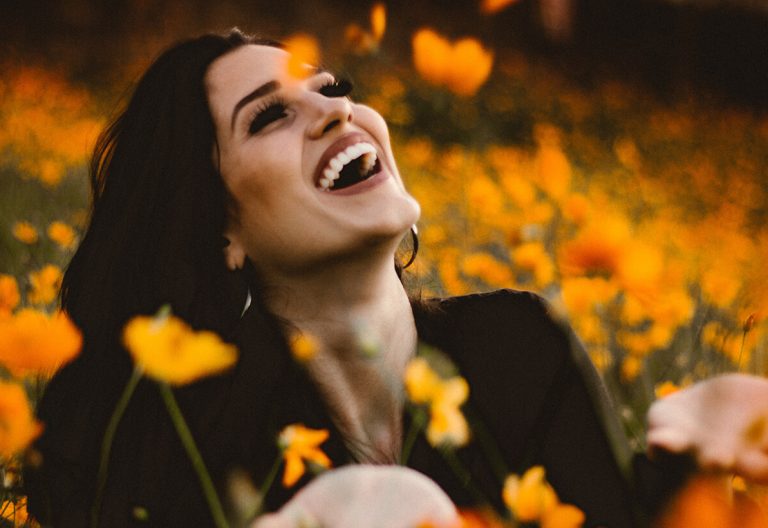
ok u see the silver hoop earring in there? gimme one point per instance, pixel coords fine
(414, 245)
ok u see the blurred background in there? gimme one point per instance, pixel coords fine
(611, 155)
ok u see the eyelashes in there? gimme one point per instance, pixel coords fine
(336, 88)
(269, 111)
(275, 108)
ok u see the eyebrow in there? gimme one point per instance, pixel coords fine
(261, 91)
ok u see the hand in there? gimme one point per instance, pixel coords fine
(722, 422)
(362, 495)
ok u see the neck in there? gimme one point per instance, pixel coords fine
(342, 303)
(361, 317)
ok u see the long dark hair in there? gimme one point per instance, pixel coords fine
(159, 206)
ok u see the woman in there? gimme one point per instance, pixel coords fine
(226, 174)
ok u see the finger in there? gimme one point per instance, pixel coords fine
(716, 457)
(670, 439)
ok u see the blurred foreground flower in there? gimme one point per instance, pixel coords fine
(447, 424)
(362, 41)
(532, 499)
(45, 283)
(17, 424)
(15, 512)
(299, 443)
(25, 232)
(32, 342)
(462, 66)
(304, 55)
(62, 234)
(9, 295)
(711, 501)
(166, 349)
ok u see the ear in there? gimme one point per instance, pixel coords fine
(234, 252)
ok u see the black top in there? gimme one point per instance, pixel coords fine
(533, 396)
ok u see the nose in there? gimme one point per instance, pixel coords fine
(332, 112)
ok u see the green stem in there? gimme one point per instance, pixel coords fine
(418, 418)
(266, 486)
(214, 504)
(106, 444)
(463, 475)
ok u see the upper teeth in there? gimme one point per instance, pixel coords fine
(365, 151)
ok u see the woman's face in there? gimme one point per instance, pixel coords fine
(311, 173)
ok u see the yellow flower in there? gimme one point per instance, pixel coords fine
(299, 443)
(462, 67)
(25, 232)
(447, 424)
(17, 425)
(34, 342)
(304, 54)
(170, 351)
(9, 295)
(665, 389)
(421, 382)
(563, 516)
(488, 269)
(303, 347)
(532, 257)
(529, 497)
(424, 386)
(62, 234)
(16, 513)
(45, 284)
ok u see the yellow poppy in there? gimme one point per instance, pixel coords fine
(299, 443)
(62, 234)
(45, 283)
(529, 497)
(25, 232)
(34, 342)
(304, 54)
(17, 425)
(166, 349)
(9, 295)
(462, 67)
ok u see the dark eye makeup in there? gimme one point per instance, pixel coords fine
(275, 108)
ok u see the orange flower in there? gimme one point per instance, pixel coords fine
(25, 232)
(424, 386)
(45, 284)
(9, 295)
(563, 516)
(529, 497)
(17, 425)
(299, 443)
(304, 54)
(170, 351)
(34, 342)
(462, 67)
(62, 234)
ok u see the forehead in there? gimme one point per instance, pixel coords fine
(237, 73)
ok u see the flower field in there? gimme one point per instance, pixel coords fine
(643, 223)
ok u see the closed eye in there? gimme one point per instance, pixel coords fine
(266, 114)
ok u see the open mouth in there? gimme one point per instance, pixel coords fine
(354, 164)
